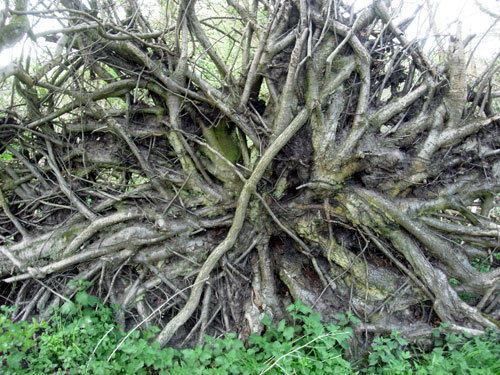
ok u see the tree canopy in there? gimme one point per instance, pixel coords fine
(201, 163)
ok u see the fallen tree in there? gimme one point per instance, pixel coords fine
(203, 170)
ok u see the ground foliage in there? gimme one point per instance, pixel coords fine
(203, 163)
(82, 338)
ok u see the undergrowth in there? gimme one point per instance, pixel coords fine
(82, 338)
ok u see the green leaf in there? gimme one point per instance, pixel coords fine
(354, 319)
(69, 308)
(155, 329)
(134, 365)
(288, 333)
(86, 300)
(128, 348)
(6, 155)
(205, 356)
(14, 360)
(281, 325)
(266, 321)
(342, 319)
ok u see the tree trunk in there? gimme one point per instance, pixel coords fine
(202, 171)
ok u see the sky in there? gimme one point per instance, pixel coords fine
(473, 20)
(447, 12)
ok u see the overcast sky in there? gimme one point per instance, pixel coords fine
(473, 20)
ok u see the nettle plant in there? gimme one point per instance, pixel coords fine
(83, 338)
(450, 354)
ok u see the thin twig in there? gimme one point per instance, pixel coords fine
(158, 309)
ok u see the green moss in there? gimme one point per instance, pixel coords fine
(491, 319)
(14, 31)
(71, 233)
(280, 188)
(254, 212)
(222, 138)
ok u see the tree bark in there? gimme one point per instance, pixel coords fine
(318, 155)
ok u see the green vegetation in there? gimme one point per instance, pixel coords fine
(452, 354)
(82, 338)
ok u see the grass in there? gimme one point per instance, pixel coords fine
(82, 334)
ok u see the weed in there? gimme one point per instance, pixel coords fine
(82, 334)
